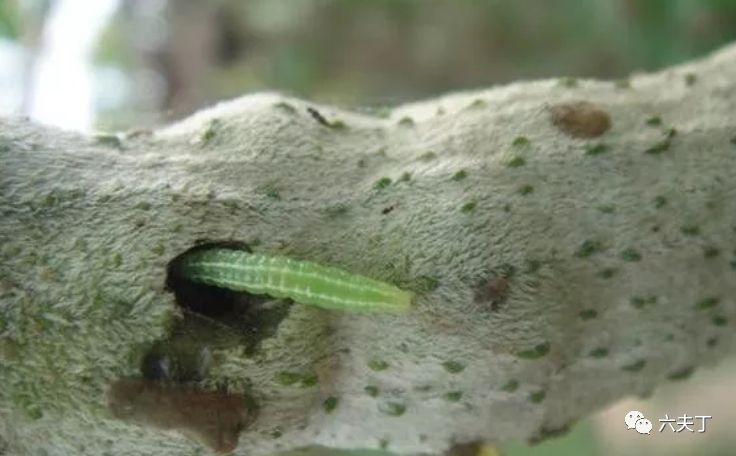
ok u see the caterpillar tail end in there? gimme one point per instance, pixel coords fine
(404, 301)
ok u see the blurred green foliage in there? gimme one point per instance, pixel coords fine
(9, 19)
(380, 52)
(358, 51)
(579, 441)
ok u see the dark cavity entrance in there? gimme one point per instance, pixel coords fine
(213, 318)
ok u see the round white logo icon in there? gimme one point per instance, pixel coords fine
(643, 426)
(631, 418)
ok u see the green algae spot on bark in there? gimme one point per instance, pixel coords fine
(377, 364)
(516, 162)
(536, 352)
(588, 248)
(631, 255)
(596, 149)
(468, 207)
(382, 183)
(536, 397)
(330, 404)
(600, 352)
(371, 390)
(526, 190)
(520, 141)
(460, 175)
(453, 367)
(588, 314)
(392, 408)
(510, 386)
(636, 366)
(453, 396)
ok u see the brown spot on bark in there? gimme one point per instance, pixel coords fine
(214, 419)
(494, 290)
(580, 119)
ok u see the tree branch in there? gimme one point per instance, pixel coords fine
(569, 242)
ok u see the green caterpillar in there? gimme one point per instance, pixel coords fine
(302, 281)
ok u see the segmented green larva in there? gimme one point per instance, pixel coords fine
(302, 281)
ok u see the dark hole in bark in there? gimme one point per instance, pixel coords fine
(207, 300)
(213, 318)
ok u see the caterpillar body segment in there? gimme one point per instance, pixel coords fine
(304, 282)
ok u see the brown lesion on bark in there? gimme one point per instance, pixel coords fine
(492, 291)
(580, 119)
(214, 419)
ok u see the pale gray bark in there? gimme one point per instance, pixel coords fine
(572, 268)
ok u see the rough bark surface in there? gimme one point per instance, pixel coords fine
(560, 264)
